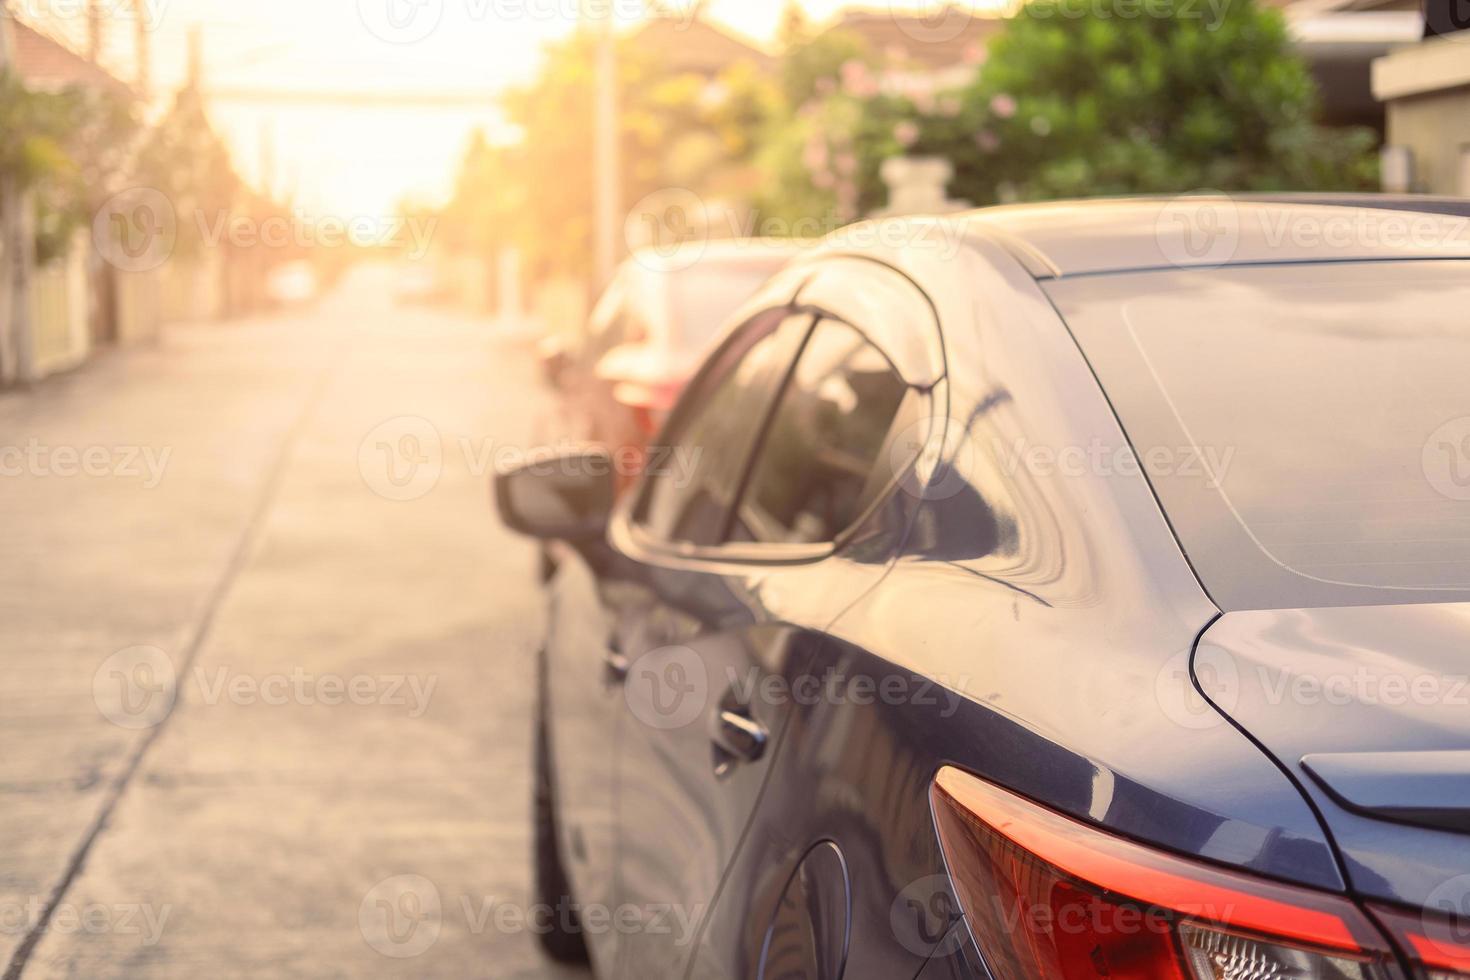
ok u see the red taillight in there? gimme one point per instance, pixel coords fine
(1438, 945)
(1050, 898)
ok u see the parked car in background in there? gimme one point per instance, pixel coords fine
(650, 330)
(993, 628)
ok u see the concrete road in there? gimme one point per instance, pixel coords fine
(266, 654)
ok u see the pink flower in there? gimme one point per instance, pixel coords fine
(987, 141)
(923, 100)
(826, 86)
(950, 106)
(907, 133)
(823, 179)
(1003, 106)
(846, 164)
(973, 54)
(814, 157)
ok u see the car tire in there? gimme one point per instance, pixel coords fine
(563, 940)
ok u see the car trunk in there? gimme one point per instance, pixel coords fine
(1368, 708)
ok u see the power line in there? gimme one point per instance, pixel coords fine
(364, 98)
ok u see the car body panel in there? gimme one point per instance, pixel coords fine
(1062, 670)
(1361, 679)
(1032, 623)
(585, 717)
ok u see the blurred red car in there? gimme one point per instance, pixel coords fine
(649, 332)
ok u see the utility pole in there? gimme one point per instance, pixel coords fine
(143, 50)
(606, 152)
(18, 242)
(94, 31)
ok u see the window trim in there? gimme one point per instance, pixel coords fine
(629, 536)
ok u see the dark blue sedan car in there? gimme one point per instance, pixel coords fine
(1072, 591)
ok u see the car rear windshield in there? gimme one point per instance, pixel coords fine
(1306, 428)
(707, 295)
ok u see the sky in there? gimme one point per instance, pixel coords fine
(334, 154)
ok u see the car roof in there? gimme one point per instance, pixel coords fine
(1090, 237)
(756, 252)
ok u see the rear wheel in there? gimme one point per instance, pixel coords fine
(563, 940)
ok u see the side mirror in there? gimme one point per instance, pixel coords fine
(564, 496)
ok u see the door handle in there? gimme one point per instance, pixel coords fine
(739, 736)
(615, 666)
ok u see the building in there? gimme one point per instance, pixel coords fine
(945, 50)
(695, 47)
(75, 299)
(1340, 40)
(1426, 88)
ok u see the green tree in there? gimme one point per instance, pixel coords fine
(1079, 106)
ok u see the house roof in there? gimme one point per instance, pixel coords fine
(48, 65)
(696, 46)
(954, 37)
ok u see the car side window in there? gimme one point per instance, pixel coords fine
(694, 477)
(824, 459)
